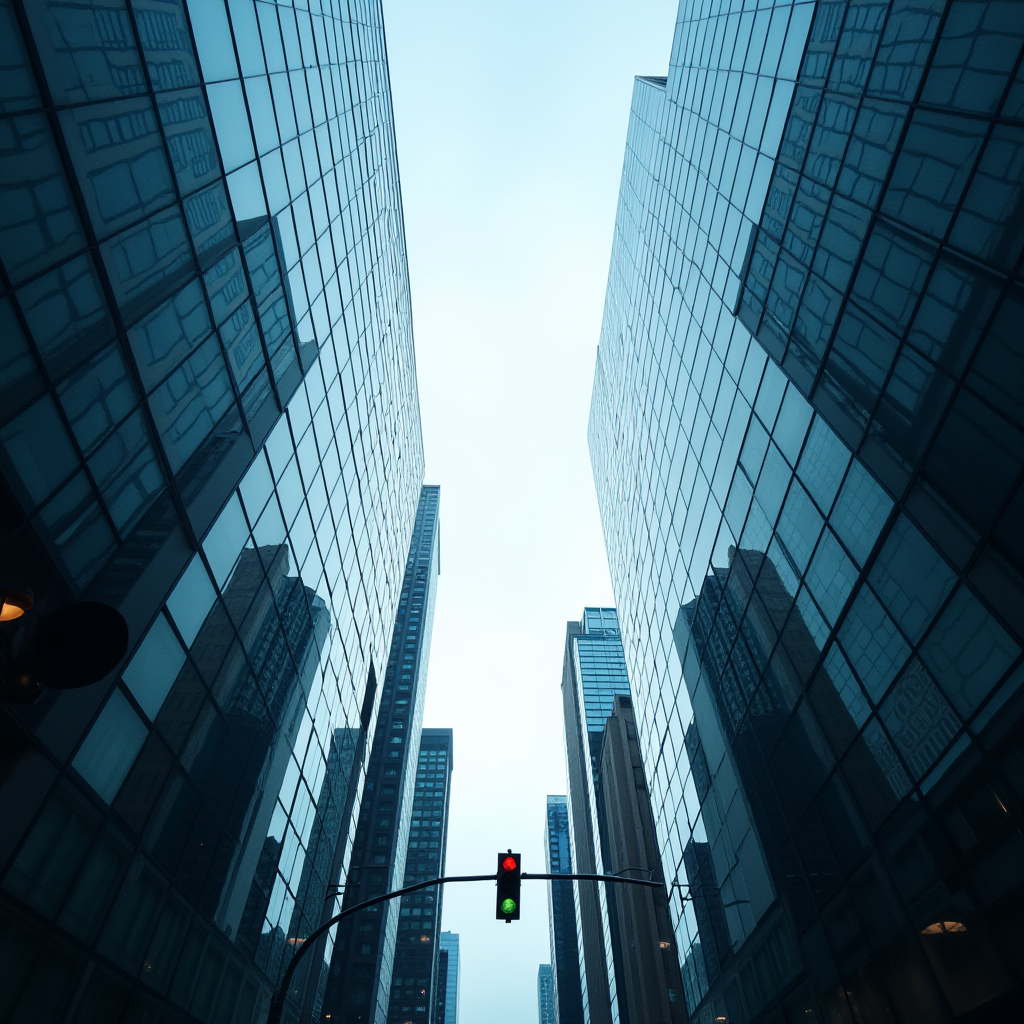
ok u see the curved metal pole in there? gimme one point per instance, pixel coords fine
(277, 1003)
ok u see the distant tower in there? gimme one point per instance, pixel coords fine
(547, 1012)
(446, 1004)
(565, 960)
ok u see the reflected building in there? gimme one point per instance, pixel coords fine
(562, 927)
(415, 980)
(209, 420)
(807, 455)
(364, 948)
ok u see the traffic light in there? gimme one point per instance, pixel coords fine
(509, 883)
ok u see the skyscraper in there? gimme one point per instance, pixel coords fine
(210, 422)
(446, 1005)
(808, 455)
(593, 671)
(562, 927)
(415, 979)
(546, 1012)
(360, 977)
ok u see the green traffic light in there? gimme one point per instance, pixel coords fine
(508, 905)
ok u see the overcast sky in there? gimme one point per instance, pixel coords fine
(511, 122)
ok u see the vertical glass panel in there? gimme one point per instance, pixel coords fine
(213, 39)
(231, 120)
(210, 222)
(161, 340)
(191, 600)
(127, 473)
(75, 521)
(40, 224)
(19, 89)
(148, 263)
(39, 448)
(226, 538)
(97, 397)
(88, 51)
(120, 161)
(189, 138)
(67, 314)
(166, 45)
(860, 512)
(20, 379)
(111, 746)
(154, 667)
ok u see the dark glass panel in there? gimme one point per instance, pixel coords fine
(119, 158)
(148, 263)
(17, 83)
(37, 445)
(88, 51)
(166, 44)
(210, 222)
(20, 379)
(97, 396)
(67, 314)
(161, 340)
(997, 373)
(76, 523)
(189, 138)
(39, 223)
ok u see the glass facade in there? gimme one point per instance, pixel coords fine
(209, 421)
(594, 671)
(415, 980)
(364, 948)
(565, 956)
(805, 435)
(546, 1012)
(446, 1007)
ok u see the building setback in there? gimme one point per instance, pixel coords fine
(415, 980)
(364, 948)
(808, 454)
(562, 928)
(210, 422)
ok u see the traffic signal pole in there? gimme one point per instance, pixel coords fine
(277, 1003)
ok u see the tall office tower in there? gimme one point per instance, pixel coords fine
(650, 985)
(446, 1005)
(415, 979)
(562, 928)
(209, 421)
(364, 948)
(806, 439)
(546, 1011)
(593, 673)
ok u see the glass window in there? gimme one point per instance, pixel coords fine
(110, 747)
(213, 40)
(88, 53)
(231, 120)
(97, 397)
(166, 45)
(247, 36)
(67, 314)
(38, 446)
(226, 538)
(154, 667)
(257, 91)
(74, 519)
(161, 340)
(40, 222)
(210, 222)
(189, 138)
(860, 512)
(873, 644)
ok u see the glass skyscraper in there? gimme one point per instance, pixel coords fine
(446, 1006)
(562, 928)
(210, 422)
(806, 435)
(361, 966)
(546, 1012)
(593, 672)
(415, 980)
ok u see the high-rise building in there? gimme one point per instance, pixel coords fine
(210, 422)
(415, 979)
(446, 1005)
(806, 436)
(649, 983)
(364, 948)
(546, 1012)
(565, 955)
(593, 671)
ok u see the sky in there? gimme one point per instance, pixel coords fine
(511, 120)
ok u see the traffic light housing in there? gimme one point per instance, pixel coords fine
(509, 884)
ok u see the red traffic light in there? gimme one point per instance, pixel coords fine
(510, 863)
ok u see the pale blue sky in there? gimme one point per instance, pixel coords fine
(511, 121)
